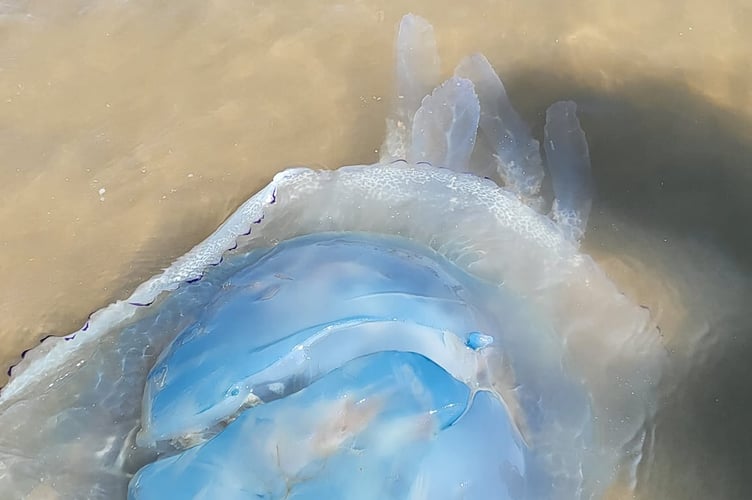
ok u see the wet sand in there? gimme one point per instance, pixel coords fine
(130, 130)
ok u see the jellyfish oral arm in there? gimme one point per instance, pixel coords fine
(416, 73)
(515, 152)
(468, 124)
(569, 163)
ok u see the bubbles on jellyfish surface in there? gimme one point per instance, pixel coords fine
(419, 328)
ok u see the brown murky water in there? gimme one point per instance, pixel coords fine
(130, 130)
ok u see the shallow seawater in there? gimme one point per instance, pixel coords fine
(130, 130)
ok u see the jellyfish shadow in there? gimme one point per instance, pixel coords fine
(674, 165)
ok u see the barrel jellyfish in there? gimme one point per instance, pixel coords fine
(424, 327)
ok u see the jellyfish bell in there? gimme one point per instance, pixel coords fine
(419, 328)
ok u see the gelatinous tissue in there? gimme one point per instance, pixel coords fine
(424, 327)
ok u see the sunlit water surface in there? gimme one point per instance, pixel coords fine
(130, 130)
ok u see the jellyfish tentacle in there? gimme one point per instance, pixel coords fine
(445, 126)
(513, 155)
(568, 161)
(416, 73)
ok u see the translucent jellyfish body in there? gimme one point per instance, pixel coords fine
(418, 328)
